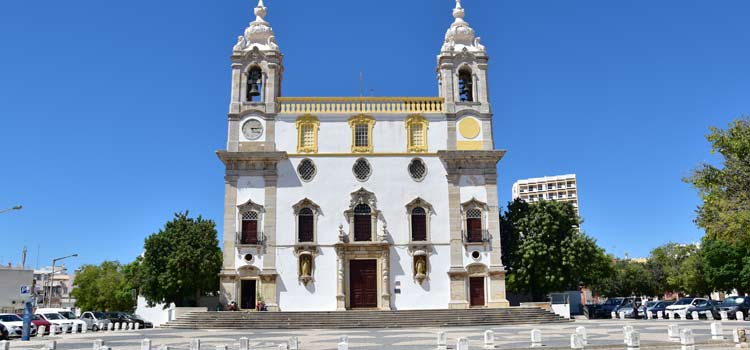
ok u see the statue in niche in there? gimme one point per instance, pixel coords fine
(420, 268)
(305, 268)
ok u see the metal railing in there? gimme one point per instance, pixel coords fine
(486, 237)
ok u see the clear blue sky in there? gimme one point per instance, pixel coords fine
(111, 110)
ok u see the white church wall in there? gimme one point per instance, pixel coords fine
(251, 187)
(320, 294)
(432, 293)
(239, 259)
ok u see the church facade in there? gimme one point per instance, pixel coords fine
(361, 202)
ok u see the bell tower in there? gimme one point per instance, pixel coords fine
(256, 83)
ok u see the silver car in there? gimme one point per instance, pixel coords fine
(95, 320)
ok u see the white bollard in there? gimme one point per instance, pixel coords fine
(244, 343)
(51, 345)
(695, 315)
(717, 331)
(582, 331)
(98, 344)
(536, 338)
(343, 346)
(724, 315)
(687, 341)
(195, 344)
(4, 345)
(462, 344)
(625, 331)
(146, 344)
(709, 315)
(293, 343)
(111, 326)
(660, 314)
(740, 338)
(614, 315)
(740, 316)
(622, 315)
(683, 315)
(576, 342)
(649, 315)
(442, 341)
(52, 329)
(40, 332)
(673, 331)
(489, 339)
(634, 341)
(137, 326)
(344, 339)
(84, 328)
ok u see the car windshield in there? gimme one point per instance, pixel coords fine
(684, 301)
(733, 301)
(10, 318)
(99, 315)
(67, 314)
(54, 316)
(651, 303)
(627, 306)
(613, 301)
(135, 317)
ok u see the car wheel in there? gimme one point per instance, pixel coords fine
(95, 328)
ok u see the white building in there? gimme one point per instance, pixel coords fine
(561, 188)
(11, 280)
(350, 202)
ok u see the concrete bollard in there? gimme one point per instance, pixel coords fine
(343, 345)
(146, 344)
(709, 315)
(634, 341)
(293, 343)
(111, 326)
(244, 343)
(52, 329)
(344, 339)
(195, 344)
(673, 331)
(622, 315)
(51, 345)
(536, 338)
(137, 326)
(582, 331)
(649, 315)
(462, 344)
(4, 345)
(660, 314)
(84, 328)
(740, 338)
(576, 342)
(625, 331)
(683, 315)
(695, 315)
(740, 316)
(442, 341)
(687, 341)
(98, 344)
(614, 315)
(717, 331)
(489, 339)
(724, 315)
(41, 330)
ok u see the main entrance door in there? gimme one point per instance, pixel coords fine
(363, 283)
(247, 295)
(476, 291)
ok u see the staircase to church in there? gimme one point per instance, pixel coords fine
(362, 319)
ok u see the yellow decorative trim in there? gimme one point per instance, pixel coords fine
(359, 120)
(416, 120)
(307, 120)
(387, 154)
(469, 128)
(469, 145)
(350, 105)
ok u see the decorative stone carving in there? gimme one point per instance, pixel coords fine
(460, 36)
(258, 34)
(420, 267)
(240, 44)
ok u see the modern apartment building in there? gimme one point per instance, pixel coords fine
(562, 188)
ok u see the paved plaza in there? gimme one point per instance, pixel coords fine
(602, 334)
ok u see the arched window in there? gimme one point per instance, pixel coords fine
(418, 224)
(362, 223)
(306, 222)
(255, 85)
(474, 225)
(249, 228)
(465, 85)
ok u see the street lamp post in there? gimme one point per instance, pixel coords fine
(52, 276)
(18, 207)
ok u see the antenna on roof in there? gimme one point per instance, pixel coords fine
(361, 78)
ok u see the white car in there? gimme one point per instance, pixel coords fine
(681, 306)
(14, 324)
(59, 320)
(95, 320)
(78, 325)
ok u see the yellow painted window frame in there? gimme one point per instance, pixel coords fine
(359, 120)
(304, 121)
(416, 119)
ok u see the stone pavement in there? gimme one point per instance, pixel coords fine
(602, 334)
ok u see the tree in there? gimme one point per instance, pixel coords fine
(726, 265)
(102, 287)
(548, 252)
(666, 263)
(181, 262)
(628, 278)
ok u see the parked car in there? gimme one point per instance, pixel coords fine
(682, 305)
(39, 322)
(3, 332)
(57, 319)
(604, 310)
(140, 320)
(660, 306)
(118, 317)
(95, 320)
(67, 314)
(703, 308)
(14, 324)
(627, 310)
(733, 304)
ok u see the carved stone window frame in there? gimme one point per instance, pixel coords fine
(306, 203)
(302, 122)
(363, 196)
(429, 211)
(245, 208)
(416, 120)
(360, 120)
(474, 203)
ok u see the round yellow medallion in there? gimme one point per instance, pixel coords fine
(469, 128)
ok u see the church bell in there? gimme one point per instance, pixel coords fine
(253, 83)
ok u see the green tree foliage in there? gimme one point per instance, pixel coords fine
(666, 264)
(181, 262)
(628, 278)
(547, 252)
(103, 288)
(726, 265)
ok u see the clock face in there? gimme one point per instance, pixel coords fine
(252, 129)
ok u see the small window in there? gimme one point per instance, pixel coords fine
(306, 170)
(249, 228)
(305, 225)
(362, 169)
(362, 223)
(418, 224)
(417, 169)
(361, 136)
(307, 134)
(361, 126)
(474, 225)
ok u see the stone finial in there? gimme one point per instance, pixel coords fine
(258, 34)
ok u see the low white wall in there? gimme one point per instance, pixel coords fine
(157, 315)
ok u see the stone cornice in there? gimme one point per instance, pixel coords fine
(228, 157)
(471, 159)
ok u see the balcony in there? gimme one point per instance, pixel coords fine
(485, 237)
(239, 243)
(354, 105)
